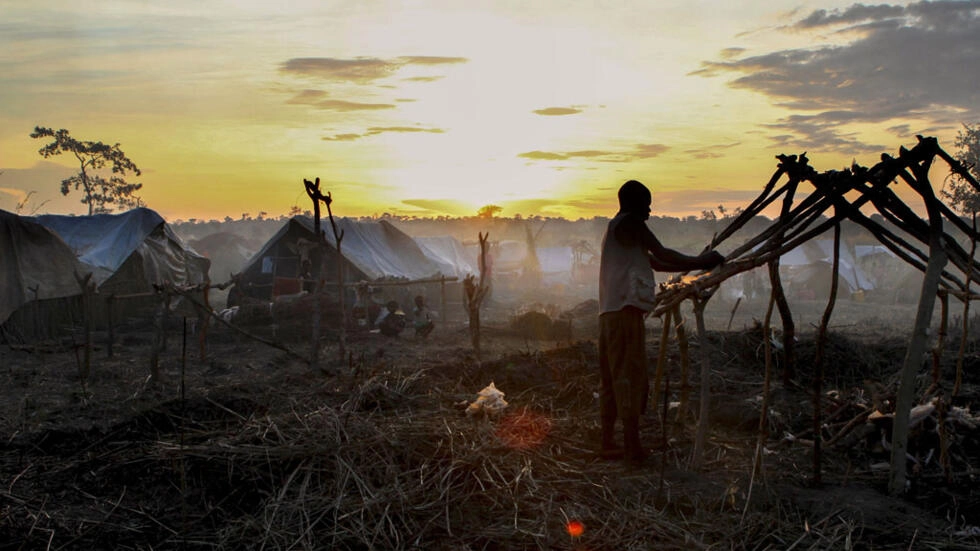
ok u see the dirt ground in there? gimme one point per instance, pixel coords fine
(250, 448)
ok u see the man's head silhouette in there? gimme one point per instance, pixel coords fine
(634, 197)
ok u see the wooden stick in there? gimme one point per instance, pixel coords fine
(661, 358)
(110, 306)
(937, 351)
(958, 384)
(731, 317)
(913, 356)
(683, 349)
(819, 361)
(697, 453)
(338, 237)
(763, 434)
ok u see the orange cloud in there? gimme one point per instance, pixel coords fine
(342, 137)
(640, 151)
(375, 130)
(382, 129)
(543, 156)
(557, 111)
(359, 70)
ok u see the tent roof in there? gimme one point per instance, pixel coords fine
(822, 251)
(555, 259)
(868, 250)
(34, 257)
(106, 241)
(378, 249)
(448, 253)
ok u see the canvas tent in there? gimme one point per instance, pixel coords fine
(371, 251)
(37, 265)
(807, 268)
(129, 252)
(556, 264)
(448, 254)
(507, 257)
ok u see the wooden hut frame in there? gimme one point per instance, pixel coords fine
(928, 250)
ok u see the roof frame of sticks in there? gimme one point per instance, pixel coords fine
(838, 196)
(795, 224)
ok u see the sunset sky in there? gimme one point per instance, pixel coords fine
(438, 107)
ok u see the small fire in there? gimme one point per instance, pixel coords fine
(575, 528)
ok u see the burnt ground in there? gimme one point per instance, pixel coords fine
(251, 449)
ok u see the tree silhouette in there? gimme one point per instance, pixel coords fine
(101, 193)
(487, 211)
(961, 194)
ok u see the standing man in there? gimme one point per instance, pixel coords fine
(630, 252)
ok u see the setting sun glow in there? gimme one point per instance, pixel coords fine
(432, 108)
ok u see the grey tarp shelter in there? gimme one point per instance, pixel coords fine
(807, 269)
(36, 267)
(129, 252)
(371, 251)
(449, 254)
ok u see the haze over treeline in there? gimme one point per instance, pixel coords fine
(688, 234)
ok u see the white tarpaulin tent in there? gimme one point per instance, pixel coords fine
(380, 250)
(817, 256)
(130, 252)
(34, 259)
(556, 264)
(449, 254)
(371, 251)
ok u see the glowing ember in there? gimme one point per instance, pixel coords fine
(575, 528)
(523, 429)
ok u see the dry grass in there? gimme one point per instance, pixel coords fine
(262, 454)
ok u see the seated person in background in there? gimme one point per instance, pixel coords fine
(391, 322)
(366, 310)
(422, 318)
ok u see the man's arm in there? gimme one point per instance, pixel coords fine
(661, 257)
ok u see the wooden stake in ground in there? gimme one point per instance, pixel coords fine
(203, 320)
(958, 383)
(88, 289)
(937, 350)
(763, 435)
(314, 193)
(474, 293)
(160, 332)
(917, 346)
(819, 360)
(338, 237)
(661, 357)
(785, 314)
(697, 454)
(683, 350)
